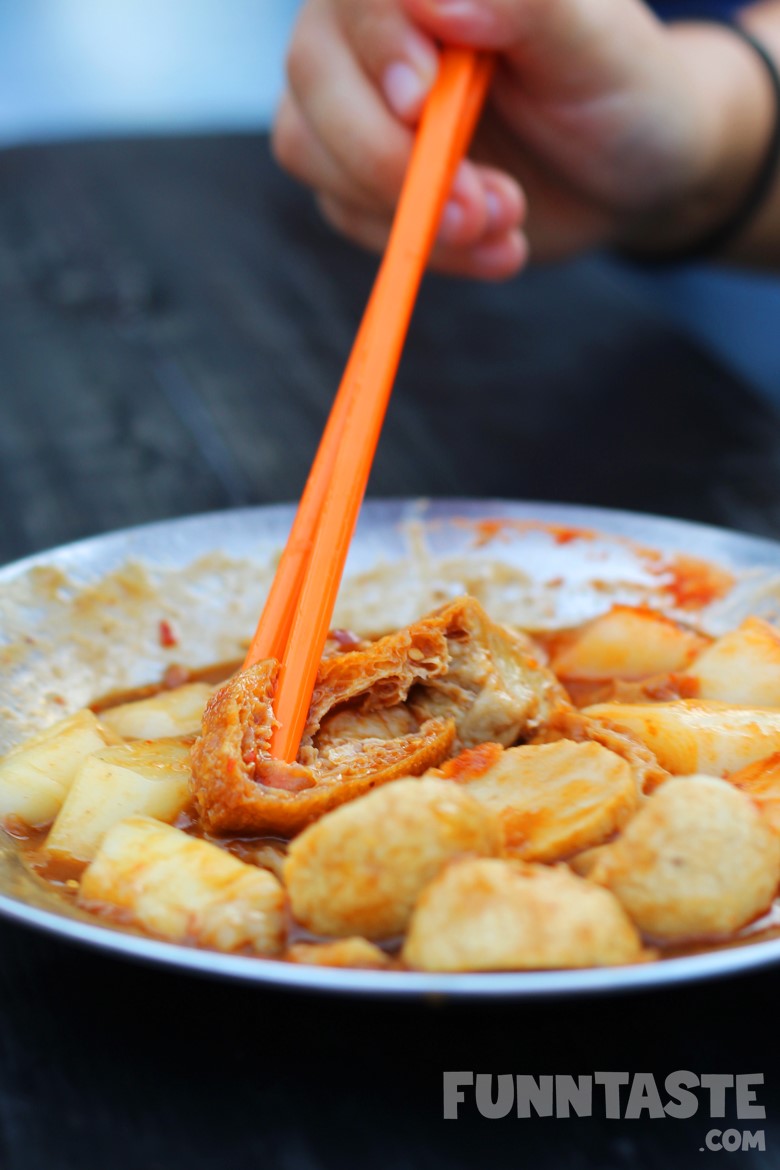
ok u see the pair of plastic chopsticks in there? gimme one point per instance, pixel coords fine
(293, 627)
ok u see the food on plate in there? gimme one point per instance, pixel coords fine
(360, 869)
(394, 708)
(177, 711)
(627, 643)
(568, 723)
(692, 735)
(492, 915)
(183, 889)
(742, 667)
(142, 777)
(36, 775)
(552, 800)
(345, 952)
(467, 797)
(761, 782)
(698, 861)
(238, 787)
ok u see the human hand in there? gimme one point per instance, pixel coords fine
(604, 126)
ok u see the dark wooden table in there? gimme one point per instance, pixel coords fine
(174, 319)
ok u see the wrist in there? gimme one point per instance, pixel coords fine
(731, 112)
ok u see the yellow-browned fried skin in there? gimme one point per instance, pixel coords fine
(359, 869)
(490, 915)
(698, 861)
(378, 676)
(690, 735)
(239, 788)
(761, 782)
(347, 952)
(555, 799)
(582, 727)
(392, 708)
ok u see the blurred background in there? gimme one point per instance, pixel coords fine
(77, 68)
(86, 68)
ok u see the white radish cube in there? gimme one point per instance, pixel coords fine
(175, 712)
(36, 775)
(690, 736)
(184, 889)
(149, 778)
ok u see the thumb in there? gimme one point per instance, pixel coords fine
(504, 24)
(480, 24)
(571, 46)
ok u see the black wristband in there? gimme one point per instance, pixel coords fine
(710, 245)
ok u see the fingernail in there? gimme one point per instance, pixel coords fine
(502, 258)
(404, 88)
(452, 220)
(459, 10)
(455, 7)
(494, 208)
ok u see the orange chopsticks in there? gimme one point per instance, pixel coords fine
(294, 624)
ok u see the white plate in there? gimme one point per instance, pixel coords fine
(84, 619)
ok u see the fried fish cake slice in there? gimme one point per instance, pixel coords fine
(697, 861)
(584, 727)
(552, 800)
(359, 869)
(492, 915)
(183, 889)
(389, 709)
(690, 735)
(742, 667)
(629, 643)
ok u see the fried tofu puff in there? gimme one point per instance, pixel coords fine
(394, 707)
(698, 861)
(360, 869)
(553, 799)
(490, 915)
(494, 687)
